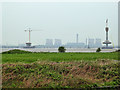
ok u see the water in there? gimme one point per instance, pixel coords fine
(56, 49)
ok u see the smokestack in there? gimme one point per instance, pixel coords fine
(86, 41)
(77, 38)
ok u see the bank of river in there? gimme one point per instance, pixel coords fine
(56, 49)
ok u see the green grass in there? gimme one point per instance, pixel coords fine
(57, 57)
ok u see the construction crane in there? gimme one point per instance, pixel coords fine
(29, 30)
(28, 44)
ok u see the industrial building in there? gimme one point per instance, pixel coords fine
(75, 45)
(98, 43)
(91, 43)
(49, 43)
(57, 43)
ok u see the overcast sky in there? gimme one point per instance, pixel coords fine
(58, 21)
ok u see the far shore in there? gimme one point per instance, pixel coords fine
(56, 49)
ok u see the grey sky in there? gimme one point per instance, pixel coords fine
(58, 21)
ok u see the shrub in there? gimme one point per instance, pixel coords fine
(61, 49)
(117, 50)
(98, 50)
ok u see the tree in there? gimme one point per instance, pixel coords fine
(98, 50)
(61, 49)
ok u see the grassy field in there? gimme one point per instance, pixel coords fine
(57, 57)
(59, 70)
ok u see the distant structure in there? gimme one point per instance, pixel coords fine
(49, 42)
(57, 43)
(76, 38)
(28, 44)
(98, 43)
(86, 43)
(106, 41)
(75, 45)
(91, 42)
(21, 45)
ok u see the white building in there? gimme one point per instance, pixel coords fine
(58, 42)
(91, 43)
(98, 42)
(49, 42)
(75, 45)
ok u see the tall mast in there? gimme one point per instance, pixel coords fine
(107, 23)
(29, 30)
(107, 29)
